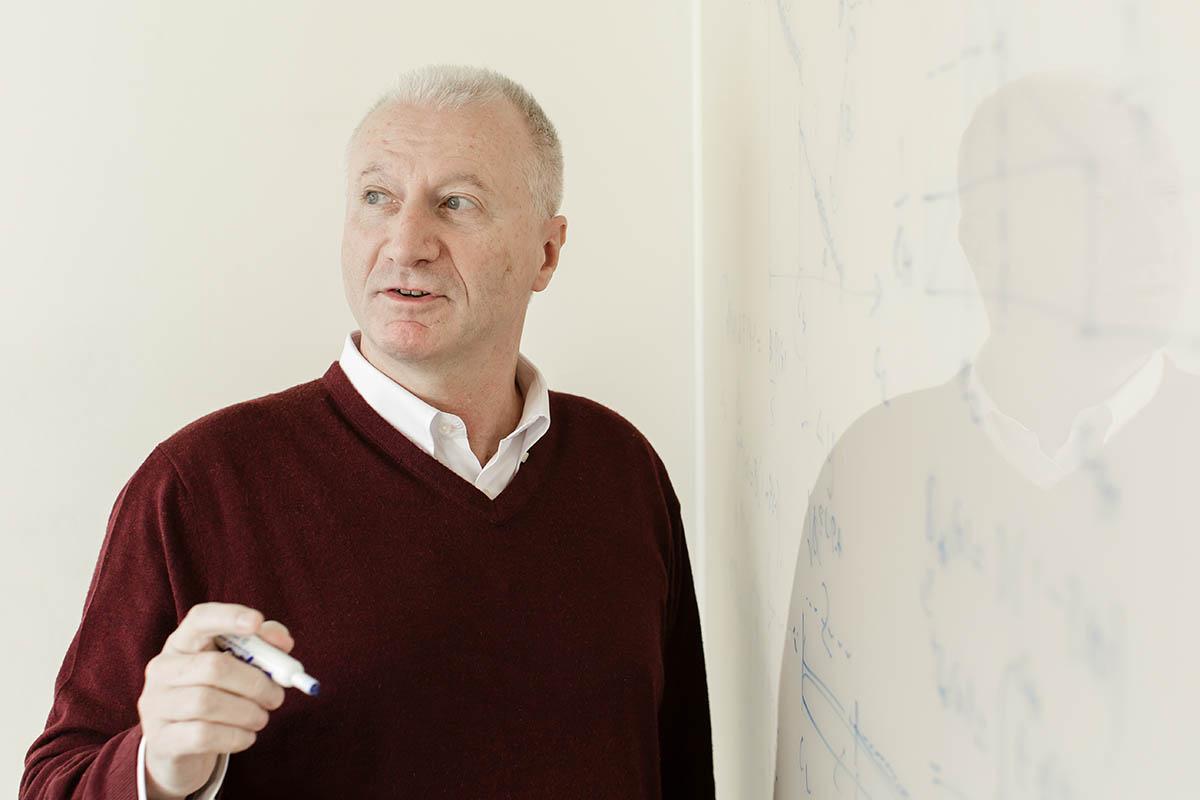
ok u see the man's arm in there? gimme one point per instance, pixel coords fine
(89, 748)
(685, 728)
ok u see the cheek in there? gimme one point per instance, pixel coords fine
(516, 262)
(357, 248)
(486, 265)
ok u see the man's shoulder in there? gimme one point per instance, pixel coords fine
(251, 423)
(607, 436)
(582, 410)
(598, 422)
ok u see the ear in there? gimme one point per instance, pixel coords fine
(554, 236)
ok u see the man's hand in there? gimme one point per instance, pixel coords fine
(199, 702)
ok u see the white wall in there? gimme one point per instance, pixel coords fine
(172, 207)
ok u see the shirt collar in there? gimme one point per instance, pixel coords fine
(416, 419)
(1136, 393)
(1020, 445)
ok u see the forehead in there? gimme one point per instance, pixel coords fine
(479, 138)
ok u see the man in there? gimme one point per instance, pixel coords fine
(490, 579)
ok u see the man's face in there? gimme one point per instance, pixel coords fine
(438, 201)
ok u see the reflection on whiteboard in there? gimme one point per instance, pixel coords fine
(978, 356)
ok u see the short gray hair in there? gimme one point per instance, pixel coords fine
(453, 86)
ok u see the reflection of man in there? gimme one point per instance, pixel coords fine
(490, 579)
(1002, 615)
(1070, 222)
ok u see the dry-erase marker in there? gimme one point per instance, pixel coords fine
(282, 668)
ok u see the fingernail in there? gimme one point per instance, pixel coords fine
(245, 620)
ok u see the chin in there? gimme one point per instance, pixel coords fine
(401, 343)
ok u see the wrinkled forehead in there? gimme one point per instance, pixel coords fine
(488, 140)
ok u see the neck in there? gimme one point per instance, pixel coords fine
(482, 391)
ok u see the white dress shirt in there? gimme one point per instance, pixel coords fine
(441, 435)
(1090, 430)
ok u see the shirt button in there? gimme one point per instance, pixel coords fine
(523, 457)
(447, 428)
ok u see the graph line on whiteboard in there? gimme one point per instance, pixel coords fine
(868, 769)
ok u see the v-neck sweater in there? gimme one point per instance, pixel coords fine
(542, 644)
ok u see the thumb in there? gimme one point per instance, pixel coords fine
(276, 633)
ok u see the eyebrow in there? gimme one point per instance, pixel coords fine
(457, 177)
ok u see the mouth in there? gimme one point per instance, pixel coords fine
(411, 296)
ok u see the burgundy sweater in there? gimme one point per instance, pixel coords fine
(545, 644)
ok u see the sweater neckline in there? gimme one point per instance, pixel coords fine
(433, 472)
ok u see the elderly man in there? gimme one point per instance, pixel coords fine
(490, 579)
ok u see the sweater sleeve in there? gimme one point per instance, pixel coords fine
(685, 729)
(89, 748)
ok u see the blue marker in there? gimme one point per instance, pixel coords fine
(282, 668)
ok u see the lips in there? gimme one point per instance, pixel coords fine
(395, 295)
(408, 288)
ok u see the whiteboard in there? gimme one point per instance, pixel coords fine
(953, 398)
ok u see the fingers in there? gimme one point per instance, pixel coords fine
(220, 671)
(198, 701)
(206, 704)
(197, 737)
(205, 620)
(277, 634)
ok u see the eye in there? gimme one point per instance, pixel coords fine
(454, 202)
(367, 195)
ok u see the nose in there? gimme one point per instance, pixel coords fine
(412, 237)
